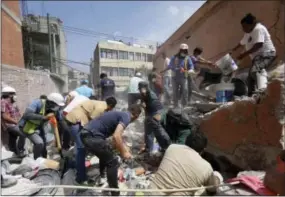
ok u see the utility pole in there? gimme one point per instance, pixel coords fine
(49, 44)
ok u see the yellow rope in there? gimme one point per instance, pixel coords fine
(126, 190)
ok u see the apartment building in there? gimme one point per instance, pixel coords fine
(36, 46)
(120, 61)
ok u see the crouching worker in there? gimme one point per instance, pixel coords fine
(36, 114)
(176, 125)
(79, 117)
(183, 167)
(153, 111)
(94, 136)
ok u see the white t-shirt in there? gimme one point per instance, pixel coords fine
(134, 85)
(76, 101)
(166, 63)
(258, 34)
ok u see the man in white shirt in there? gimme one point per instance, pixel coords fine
(133, 89)
(183, 167)
(259, 47)
(167, 79)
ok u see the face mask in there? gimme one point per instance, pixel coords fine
(14, 98)
(143, 90)
(183, 54)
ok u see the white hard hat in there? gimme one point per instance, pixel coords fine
(8, 89)
(56, 98)
(184, 46)
(73, 94)
(138, 74)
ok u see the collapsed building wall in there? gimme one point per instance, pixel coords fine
(29, 84)
(248, 132)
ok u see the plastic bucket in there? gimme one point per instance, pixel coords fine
(227, 64)
(224, 92)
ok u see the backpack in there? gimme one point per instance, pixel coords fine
(176, 122)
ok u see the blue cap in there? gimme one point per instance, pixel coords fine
(84, 81)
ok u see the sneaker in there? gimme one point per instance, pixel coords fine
(102, 181)
(5, 182)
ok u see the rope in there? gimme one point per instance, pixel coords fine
(126, 190)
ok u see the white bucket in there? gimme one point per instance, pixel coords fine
(227, 64)
(224, 92)
(261, 79)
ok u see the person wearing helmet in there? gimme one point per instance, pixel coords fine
(107, 86)
(181, 65)
(133, 89)
(84, 89)
(153, 113)
(10, 115)
(36, 114)
(77, 118)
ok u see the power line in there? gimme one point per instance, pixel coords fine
(85, 32)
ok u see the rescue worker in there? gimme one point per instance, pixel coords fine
(77, 118)
(84, 89)
(10, 115)
(70, 96)
(95, 133)
(259, 47)
(133, 89)
(167, 80)
(107, 86)
(153, 111)
(183, 167)
(201, 67)
(36, 114)
(181, 65)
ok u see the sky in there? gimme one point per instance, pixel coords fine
(146, 21)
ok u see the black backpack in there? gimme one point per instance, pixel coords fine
(175, 122)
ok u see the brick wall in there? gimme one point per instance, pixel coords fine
(11, 37)
(29, 84)
(219, 29)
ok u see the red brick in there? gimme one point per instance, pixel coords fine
(14, 6)
(12, 47)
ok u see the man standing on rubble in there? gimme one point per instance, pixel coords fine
(94, 136)
(133, 89)
(167, 80)
(77, 118)
(153, 112)
(259, 47)
(84, 89)
(10, 115)
(181, 65)
(38, 113)
(183, 167)
(107, 86)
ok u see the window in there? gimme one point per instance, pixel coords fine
(114, 54)
(131, 72)
(123, 72)
(115, 71)
(103, 53)
(109, 54)
(143, 57)
(131, 56)
(123, 55)
(138, 57)
(149, 57)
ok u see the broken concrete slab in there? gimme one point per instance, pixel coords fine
(247, 123)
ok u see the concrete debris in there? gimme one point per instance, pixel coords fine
(22, 184)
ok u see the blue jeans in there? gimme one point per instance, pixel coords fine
(167, 84)
(80, 154)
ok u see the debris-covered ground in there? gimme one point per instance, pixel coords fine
(135, 175)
